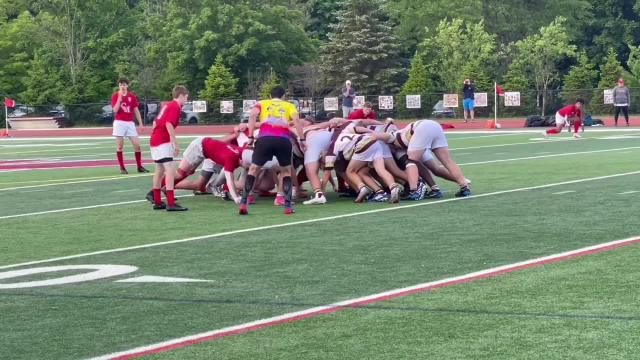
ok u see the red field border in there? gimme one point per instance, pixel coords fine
(358, 302)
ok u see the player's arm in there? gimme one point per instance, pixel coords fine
(228, 175)
(369, 122)
(172, 136)
(299, 123)
(362, 130)
(118, 103)
(136, 111)
(253, 116)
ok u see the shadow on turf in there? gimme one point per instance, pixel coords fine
(366, 307)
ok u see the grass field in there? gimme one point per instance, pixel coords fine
(532, 199)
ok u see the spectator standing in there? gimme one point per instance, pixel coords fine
(468, 102)
(621, 100)
(348, 94)
(125, 105)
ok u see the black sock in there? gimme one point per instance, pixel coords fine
(248, 186)
(286, 185)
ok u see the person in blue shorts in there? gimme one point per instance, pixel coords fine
(468, 102)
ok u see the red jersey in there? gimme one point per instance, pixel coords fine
(220, 153)
(169, 113)
(127, 107)
(359, 115)
(570, 111)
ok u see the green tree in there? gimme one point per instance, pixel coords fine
(610, 72)
(539, 56)
(458, 50)
(417, 84)
(579, 82)
(220, 83)
(44, 81)
(269, 84)
(362, 48)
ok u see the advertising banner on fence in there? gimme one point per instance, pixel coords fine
(512, 98)
(331, 104)
(226, 107)
(200, 106)
(385, 102)
(450, 100)
(480, 100)
(414, 102)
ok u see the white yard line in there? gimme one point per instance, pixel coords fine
(629, 192)
(122, 177)
(293, 223)
(548, 156)
(563, 192)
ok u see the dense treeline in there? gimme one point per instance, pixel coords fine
(71, 51)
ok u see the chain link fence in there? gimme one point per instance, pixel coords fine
(432, 105)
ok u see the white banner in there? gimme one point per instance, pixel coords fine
(480, 100)
(226, 107)
(414, 102)
(608, 96)
(358, 102)
(450, 100)
(385, 102)
(200, 106)
(512, 98)
(331, 104)
(247, 105)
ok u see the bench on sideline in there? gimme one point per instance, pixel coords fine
(31, 123)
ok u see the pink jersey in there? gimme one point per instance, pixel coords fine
(127, 107)
(221, 153)
(570, 111)
(169, 113)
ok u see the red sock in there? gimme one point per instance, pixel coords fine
(171, 200)
(203, 187)
(552, 131)
(576, 125)
(139, 159)
(120, 159)
(157, 197)
(225, 187)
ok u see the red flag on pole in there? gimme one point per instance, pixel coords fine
(9, 103)
(499, 90)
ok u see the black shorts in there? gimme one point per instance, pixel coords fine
(269, 146)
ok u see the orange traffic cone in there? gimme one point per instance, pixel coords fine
(491, 124)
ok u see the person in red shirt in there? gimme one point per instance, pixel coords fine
(164, 147)
(564, 115)
(125, 105)
(366, 113)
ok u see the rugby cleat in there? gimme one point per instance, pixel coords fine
(362, 194)
(149, 197)
(414, 195)
(161, 206)
(434, 194)
(380, 196)
(279, 200)
(243, 210)
(317, 199)
(123, 171)
(464, 192)
(176, 207)
(141, 169)
(422, 188)
(289, 210)
(394, 197)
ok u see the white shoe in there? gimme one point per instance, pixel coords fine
(545, 135)
(467, 181)
(577, 136)
(394, 198)
(316, 200)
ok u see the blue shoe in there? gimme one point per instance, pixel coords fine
(434, 194)
(422, 188)
(414, 196)
(464, 192)
(380, 196)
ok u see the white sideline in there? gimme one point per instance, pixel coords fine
(294, 223)
(77, 182)
(552, 155)
(169, 345)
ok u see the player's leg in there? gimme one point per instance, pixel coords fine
(119, 155)
(156, 195)
(616, 114)
(283, 151)
(135, 142)
(444, 157)
(169, 170)
(351, 173)
(387, 178)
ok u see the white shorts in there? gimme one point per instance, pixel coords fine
(427, 156)
(193, 154)
(372, 153)
(318, 143)
(560, 120)
(427, 134)
(247, 155)
(124, 129)
(163, 151)
(210, 166)
(386, 150)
